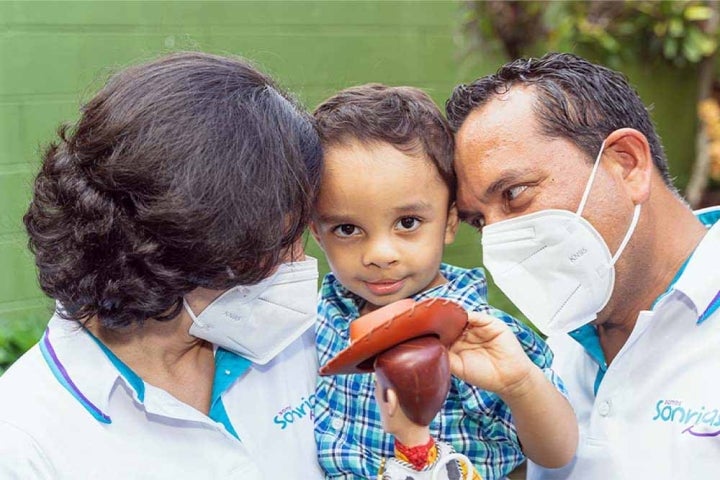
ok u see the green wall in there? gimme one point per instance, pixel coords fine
(54, 55)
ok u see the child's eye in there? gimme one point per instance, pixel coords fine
(346, 230)
(408, 224)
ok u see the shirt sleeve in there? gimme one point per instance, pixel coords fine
(21, 457)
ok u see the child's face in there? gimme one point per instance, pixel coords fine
(382, 218)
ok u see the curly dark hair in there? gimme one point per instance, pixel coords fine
(575, 99)
(193, 170)
(405, 117)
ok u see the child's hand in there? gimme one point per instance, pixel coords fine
(489, 356)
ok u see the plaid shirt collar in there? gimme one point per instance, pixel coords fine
(345, 305)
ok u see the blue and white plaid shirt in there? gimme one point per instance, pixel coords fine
(348, 430)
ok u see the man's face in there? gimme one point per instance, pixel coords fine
(507, 168)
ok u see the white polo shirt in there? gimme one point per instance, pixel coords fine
(654, 412)
(70, 409)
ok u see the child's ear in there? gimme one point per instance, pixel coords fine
(452, 224)
(316, 234)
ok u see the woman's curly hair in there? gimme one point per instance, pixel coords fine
(193, 170)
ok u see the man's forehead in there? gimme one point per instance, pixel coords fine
(502, 110)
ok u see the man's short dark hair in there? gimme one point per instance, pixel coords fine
(189, 171)
(575, 99)
(405, 117)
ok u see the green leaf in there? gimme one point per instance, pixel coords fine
(660, 29)
(699, 44)
(691, 52)
(670, 48)
(708, 45)
(609, 43)
(676, 27)
(697, 13)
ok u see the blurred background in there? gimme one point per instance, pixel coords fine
(55, 55)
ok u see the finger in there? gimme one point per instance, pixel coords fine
(456, 365)
(479, 319)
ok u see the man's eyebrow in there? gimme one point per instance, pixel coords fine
(507, 179)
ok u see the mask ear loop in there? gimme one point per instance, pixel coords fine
(586, 194)
(191, 313)
(628, 234)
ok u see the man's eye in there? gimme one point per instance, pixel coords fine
(409, 223)
(512, 193)
(345, 230)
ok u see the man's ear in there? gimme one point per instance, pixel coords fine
(452, 224)
(629, 151)
(316, 234)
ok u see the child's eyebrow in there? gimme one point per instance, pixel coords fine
(334, 219)
(340, 219)
(414, 207)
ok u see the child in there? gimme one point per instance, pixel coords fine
(384, 212)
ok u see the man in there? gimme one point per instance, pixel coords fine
(560, 167)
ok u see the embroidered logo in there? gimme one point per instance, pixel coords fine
(288, 415)
(699, 422)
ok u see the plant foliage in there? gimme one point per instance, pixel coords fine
(612, 31)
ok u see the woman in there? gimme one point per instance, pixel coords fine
(166, 225)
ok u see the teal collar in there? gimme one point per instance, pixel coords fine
(588, 337)
(132, 378)
(229, 367)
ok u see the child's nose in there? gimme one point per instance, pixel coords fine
(381, 252)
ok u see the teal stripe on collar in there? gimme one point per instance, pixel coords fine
(228, 368)
(588, 338)
(131, 377)
(709, 216)
(218, 413)
(714, 305)
(62, 376)
(587, 335)
(677, 276)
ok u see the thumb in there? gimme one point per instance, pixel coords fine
(457, 366)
